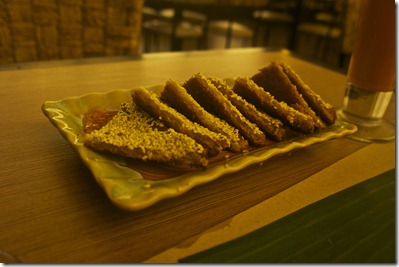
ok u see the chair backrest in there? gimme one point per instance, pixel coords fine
(38, 30)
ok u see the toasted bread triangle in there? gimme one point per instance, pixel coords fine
(205, 93)
(296, 120)
(272, 127)
(153, 105)
(273, 79)
(323, 109)
(133, 133)
(177, 97)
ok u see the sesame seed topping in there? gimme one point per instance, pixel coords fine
(133, 129)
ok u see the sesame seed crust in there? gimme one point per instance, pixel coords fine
(150, 102)
(177, 97)
(271, 126)
(323, 109)
(205, 93)
(134, 134)
(275, 80)
(250, 91)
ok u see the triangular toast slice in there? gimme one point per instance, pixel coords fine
(133, 133)
(323, 109)
(177, 97)
(152, 104)
(273, 127)
(274, 80)
(207, 95)
(296, 120)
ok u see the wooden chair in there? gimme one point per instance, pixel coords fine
(231, 22)
(276, 17)
(163, 24)
(230, 33)
(38, 30)
(332, 28)
(320, 25)
(200, 20)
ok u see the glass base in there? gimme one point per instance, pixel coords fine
(369, 132)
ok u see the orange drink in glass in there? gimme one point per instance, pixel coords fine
(371, 73)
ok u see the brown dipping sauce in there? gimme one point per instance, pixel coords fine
(97, 118)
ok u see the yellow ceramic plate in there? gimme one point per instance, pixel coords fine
(125, 186)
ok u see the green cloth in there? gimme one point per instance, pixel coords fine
(356, 225)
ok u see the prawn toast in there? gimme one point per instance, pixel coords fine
(323, 109)
(133, 133)
(271, 126)
(189, 124)
(150, 103)
(207, 95)
(275, 81)
(177, 97)
(250, 91)
(285, 85)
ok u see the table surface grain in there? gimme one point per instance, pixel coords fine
(52, 210)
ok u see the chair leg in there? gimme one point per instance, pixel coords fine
(326, 48)
(148, 38)
(267, 34)
(255, 35)
(204, 37)
(296, 43)
(229, 34)
(157, 41)
(318, 47)
(199, 43)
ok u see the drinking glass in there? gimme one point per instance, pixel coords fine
(371, 74)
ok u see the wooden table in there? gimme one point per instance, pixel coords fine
(52, 210)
